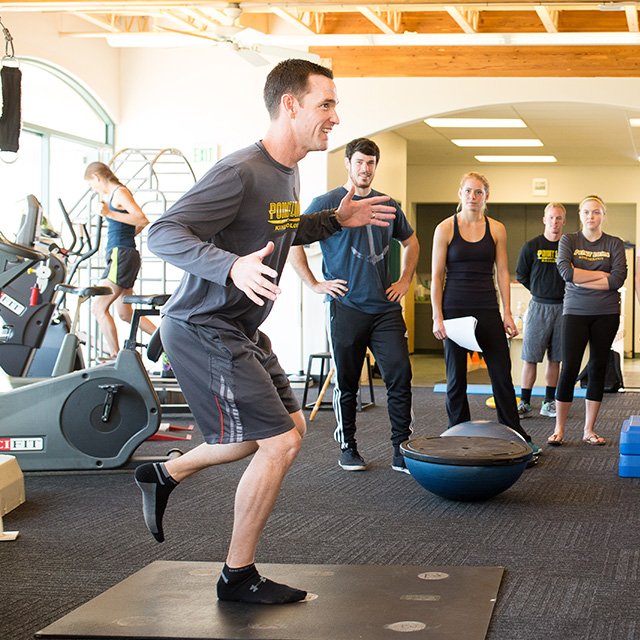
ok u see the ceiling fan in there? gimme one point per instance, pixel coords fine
(222, 28)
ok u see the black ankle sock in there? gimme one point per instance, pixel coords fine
(245, 584)
(525, 396)
(156, 484)
(549, 394)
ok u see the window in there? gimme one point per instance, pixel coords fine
(63, 129)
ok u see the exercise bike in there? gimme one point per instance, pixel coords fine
(90, 419)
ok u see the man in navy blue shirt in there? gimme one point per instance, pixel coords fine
(364, 306)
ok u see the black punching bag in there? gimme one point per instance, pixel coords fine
(10, 119)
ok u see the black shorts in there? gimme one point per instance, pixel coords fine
(123, 266)
(235, 386)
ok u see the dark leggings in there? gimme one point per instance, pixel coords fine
(578, 331)
(495, 350)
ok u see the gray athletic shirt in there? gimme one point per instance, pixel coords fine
(605, 254)
(244, 201)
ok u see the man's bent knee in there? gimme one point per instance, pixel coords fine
(284, 447)
(299, 422)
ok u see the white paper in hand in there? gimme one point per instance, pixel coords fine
(463, 332)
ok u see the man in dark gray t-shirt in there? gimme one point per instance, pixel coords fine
(231, 234)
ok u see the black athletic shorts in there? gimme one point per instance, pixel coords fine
(123, 266)
(234, 385)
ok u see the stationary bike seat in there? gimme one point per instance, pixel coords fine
(85, 292)
(154, 300)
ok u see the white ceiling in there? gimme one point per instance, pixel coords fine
(575, 133)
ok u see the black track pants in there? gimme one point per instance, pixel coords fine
(350, 333)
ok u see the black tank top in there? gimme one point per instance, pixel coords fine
(119, 234)
(469, 276)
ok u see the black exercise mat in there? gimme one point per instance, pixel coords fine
(177, 600)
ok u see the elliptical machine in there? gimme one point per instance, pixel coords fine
(27, 284)
(89, 419)
(61, 348)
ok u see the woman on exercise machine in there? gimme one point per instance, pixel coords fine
(125, 220)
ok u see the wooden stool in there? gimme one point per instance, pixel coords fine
(325, 361)
(325, 368)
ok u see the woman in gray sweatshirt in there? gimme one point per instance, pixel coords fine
(593, 266)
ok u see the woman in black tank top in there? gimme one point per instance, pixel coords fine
(467, 248)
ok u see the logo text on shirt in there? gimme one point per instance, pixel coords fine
(284, 215)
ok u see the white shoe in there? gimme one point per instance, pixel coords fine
(548, 409)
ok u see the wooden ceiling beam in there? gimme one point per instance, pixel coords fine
(108, 25)
(375, 19)
(632, 18)
(548, 17)
(182, 20)
(363, 62)
(467, 19)
(293, 19)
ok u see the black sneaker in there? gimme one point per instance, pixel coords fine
(351, 460)
(398, 464)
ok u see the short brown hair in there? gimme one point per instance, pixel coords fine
(290, 76)
(363, 145)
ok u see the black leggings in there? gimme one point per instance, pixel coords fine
(495, 350)
(578, 331)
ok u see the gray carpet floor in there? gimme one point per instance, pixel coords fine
(567, 533)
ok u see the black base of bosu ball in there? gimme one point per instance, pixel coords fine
(466, 468)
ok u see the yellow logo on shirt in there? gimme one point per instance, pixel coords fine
(591, 256)
(547, 255)
(284, 215)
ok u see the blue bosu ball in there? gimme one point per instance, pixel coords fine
(466, 468)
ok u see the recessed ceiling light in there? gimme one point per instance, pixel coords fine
(496, 142)
(516, 158)
(491, 123)
(634, 122)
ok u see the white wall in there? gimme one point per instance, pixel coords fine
(187, 98)
(90, 60)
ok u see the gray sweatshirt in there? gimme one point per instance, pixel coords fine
(244, 201)
(605, 254)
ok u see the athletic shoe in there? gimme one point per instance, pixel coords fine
(398, 464)
(536, 450)
(524, 409)
(351, 460)
(548, 409)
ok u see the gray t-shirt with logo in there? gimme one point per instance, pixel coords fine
(246, 200)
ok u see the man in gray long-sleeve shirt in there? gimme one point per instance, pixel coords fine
(231, 234)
